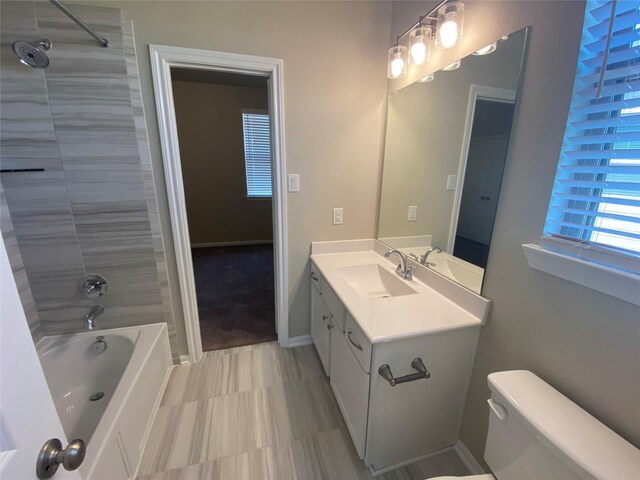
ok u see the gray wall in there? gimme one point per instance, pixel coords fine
(584, 343)
(334, 108)
(93, 208)
(209, 118)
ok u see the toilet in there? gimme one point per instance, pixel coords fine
(535, 432)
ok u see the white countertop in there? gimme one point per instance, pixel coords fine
(392, 318)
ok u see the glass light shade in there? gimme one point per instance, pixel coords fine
(427, 78)
(449, 27)
(487, 50)
(397, 61)
(452, 66)
(420, 45)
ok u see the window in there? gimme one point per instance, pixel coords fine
(257, 153)
(594, 212)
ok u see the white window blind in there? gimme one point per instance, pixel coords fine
(257, 153)
(594, 211)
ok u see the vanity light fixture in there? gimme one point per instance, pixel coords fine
(420, 44)
(427, 78)
(397, 61)
(442, 23)
(449, 27)
(452, 66)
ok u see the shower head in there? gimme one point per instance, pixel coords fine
(34, 55)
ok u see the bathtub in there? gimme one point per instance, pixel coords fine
(108, 398)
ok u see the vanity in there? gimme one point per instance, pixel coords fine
(372, 329)
(399, 351)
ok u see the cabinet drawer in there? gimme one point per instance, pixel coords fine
(316, 277)
(335, 305)
(358, 342)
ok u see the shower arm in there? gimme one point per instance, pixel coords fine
(103, 41)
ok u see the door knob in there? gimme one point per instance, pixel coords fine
(52, 455)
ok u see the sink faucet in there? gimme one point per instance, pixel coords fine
(424, 259)
(404, 269)
(90, 318)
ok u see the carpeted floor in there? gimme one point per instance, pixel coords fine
(234, 286)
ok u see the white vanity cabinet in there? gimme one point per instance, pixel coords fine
(392, 425)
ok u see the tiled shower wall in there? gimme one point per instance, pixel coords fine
(93, 209)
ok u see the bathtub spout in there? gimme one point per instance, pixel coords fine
(90, 318)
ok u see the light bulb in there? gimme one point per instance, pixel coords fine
(427, 78)
(449, 27)
(449, 32)
(420, 45)
(418, 53)
(397, 65)
(487, 50)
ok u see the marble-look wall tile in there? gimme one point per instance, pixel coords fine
(17, 267)
(93, 209)
(38, 202)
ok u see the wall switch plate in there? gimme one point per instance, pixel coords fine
(413, 213)
(451, 182)
(294, 182)
(338, 216)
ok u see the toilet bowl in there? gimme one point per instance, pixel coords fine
(535, 432)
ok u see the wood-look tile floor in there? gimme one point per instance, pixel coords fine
(260, 412)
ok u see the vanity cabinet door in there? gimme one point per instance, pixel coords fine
(321, 328)
(350, 384)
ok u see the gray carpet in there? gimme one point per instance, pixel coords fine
(235, 291)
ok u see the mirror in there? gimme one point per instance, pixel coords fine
(445, 152)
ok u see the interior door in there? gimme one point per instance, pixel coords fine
(28, 417)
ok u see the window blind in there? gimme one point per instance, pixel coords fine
(257, 154)
(594, 210)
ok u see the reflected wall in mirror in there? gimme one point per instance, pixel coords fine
(445, 153)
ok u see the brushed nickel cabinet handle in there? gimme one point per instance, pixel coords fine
(325, 317)
(329, 326)
(313, 277)
(357, 345)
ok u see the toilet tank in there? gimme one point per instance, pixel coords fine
(535, 432)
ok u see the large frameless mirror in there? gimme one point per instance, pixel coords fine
(445, 153)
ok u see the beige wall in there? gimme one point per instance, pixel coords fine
(334, 108)
(584, 343)
(420, 150)
(212, 155)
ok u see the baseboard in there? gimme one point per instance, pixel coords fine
(468, 459)
(231, 244)
(299, 341)
(376, 473)
(184, 359)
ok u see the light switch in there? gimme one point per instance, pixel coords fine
(451, 182)
(294, 182)
(338, 216)
(413, 213)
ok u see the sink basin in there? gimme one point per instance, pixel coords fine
(373, 281)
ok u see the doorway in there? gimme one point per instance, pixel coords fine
(225, 253)
(225, 149)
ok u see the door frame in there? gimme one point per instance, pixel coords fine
(163, 58)
(476, 92)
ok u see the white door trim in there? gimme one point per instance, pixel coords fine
(163, 58)
(475, 92)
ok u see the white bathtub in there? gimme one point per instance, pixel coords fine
(131, 373)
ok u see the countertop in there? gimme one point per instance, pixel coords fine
(392, 318)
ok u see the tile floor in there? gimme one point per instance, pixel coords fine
(260, 412)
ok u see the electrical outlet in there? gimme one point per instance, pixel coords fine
(294, 182)
(451, 182)
(413, 213)
(338, 216)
